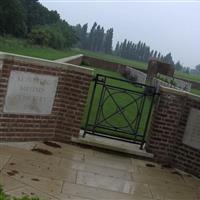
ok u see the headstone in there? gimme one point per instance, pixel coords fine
(184, 85)
(139, 76)
(30, 93)
(192, 131)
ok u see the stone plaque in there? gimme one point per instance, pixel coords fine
(192, 131)
(30, 93)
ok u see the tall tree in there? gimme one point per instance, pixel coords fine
(178, 66)
(155, 54)
(108, 41)
(91, 39)
(117, 48)
(197, 68)
(83, 36)
(159, 56)
(168, 59)
(151, 54)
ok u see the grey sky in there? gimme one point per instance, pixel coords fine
(164, 26)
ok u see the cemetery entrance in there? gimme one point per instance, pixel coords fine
(119, 109)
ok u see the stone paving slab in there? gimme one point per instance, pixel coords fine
(77, 173)
(104, 182)
(96, 169)
(9, 183)
(3, 160)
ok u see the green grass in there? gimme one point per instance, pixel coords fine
(3, 196)
(190, 77)
(195, 91)
(109, 107)
(136, 64)
(20, 46)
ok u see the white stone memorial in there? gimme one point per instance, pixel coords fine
(30, 93)
(192, 131)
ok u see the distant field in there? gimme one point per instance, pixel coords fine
(19, 46)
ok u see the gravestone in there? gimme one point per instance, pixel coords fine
(135, 75)
(192, 131)
(30, 93)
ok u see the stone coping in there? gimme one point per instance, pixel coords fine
(44, 62)
(179, 93)
(67, 59)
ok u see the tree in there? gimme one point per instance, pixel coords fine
(91, 39)
(146, 54)
(198, 68)
(58, 35)
(12, 18)
(178, 66)
(151, 54)
(83, 36)
(159, 56)
(187, 70)
(168, 59)
(108, 41)
(123, 48)
(99, 38)
(117, 49)
(37, 14)
(155, 54)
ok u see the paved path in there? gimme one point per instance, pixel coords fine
(72, 172)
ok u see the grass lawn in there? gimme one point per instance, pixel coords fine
(136, 64)
(195, 91)
(122, 99)
(191, 77)
(20, 46)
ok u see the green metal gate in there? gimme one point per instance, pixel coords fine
(119, 109)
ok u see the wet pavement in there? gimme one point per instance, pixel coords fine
(62, 171)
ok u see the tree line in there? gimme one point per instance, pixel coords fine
(99, 40)
(29, 19)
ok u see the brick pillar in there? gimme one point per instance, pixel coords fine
(164, 125)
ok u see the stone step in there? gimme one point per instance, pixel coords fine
(112, 144)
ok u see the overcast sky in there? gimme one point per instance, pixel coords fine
(166, 26)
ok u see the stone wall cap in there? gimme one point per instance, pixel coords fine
(44, 62)
(179, 93)
(70, 58)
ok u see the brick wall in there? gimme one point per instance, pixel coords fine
(69, 102)
(167, 131)
(99, 63)
(104, 64)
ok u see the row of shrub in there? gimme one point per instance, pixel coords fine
(57, 35)
(30, 19)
